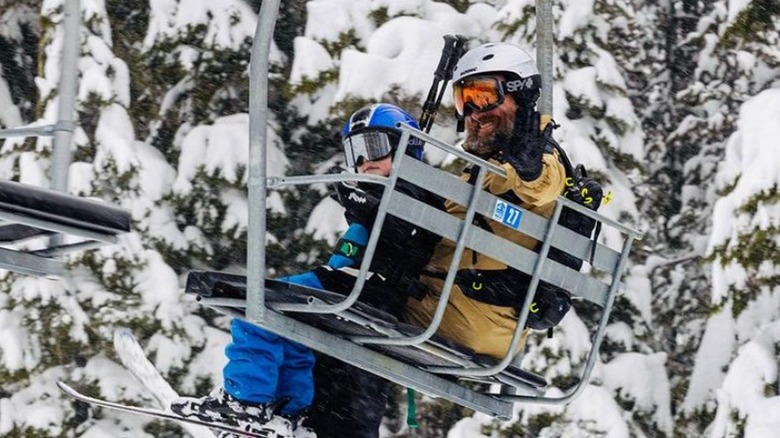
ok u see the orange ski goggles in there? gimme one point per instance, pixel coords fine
(480, 93)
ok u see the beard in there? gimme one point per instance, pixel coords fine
(485, 145)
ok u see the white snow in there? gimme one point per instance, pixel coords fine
(639, 291)
(116, 134)
(748, 345)
(713, 355)
(228, 23)
(751, 153)
(327, 20)
(393, 57)
(582, 83)
(10, 117)
(221, 148)
(309, 66)
(576, 13)
(744, 392)
(327, 221)
(735, 7)
(595, 413)
(642, 378)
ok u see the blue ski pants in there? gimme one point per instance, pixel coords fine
(264, 367)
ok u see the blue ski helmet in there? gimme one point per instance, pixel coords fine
(377, 118)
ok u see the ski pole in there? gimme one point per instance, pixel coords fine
(429, 106)
(450, 53)
(452, 61)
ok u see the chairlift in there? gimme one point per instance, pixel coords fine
(66, 222)
(370, 339)
(335, 324)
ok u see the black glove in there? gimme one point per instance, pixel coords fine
(360, 205)
(585, 191)
(526, 146)
(549, 307)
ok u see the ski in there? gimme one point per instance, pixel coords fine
(157, 413)
(132, 356)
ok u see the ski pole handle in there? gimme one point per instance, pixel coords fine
(457, 52)
(454, 46)
(446, 55)
(440, 73)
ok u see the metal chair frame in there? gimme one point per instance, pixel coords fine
(356, 350)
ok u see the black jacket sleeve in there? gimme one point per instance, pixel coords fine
(402, 251)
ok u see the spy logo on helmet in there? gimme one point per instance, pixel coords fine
(519, 85)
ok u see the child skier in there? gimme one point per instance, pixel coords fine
(268, 380)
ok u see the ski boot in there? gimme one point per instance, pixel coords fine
(219, 407)
(297, 427)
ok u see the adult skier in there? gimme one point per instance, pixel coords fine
(495, 89)
(268, 379)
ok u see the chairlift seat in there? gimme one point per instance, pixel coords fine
(58, 208)
(207, 284)
(417, 357)
(352, 322)
(28, 211)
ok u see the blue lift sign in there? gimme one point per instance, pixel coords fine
(507, 214)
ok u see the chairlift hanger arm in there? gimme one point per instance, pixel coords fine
(259, 65)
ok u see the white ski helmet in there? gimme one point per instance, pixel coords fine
(506, 58)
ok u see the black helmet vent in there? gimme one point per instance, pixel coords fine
(488, 56)
(360, 118)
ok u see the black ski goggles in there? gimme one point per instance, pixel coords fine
(368, 145)
(480, 93)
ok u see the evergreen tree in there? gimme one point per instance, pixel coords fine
(735, 65)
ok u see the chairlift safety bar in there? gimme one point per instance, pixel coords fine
(475, 201)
